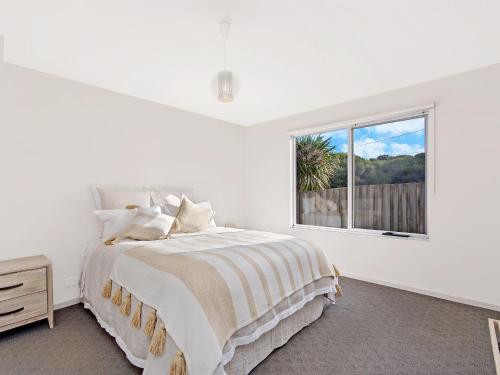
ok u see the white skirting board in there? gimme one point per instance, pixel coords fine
(494, 330)
(426, 292)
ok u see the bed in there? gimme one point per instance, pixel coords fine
(216, 302)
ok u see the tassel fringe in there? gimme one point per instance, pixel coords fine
(336, 270)
(154, 327)
(136, 319)
(127, 305)
(106, 289)
(338, 288)
(158, 342)
(178, 366)
(117, 297)
(111, 241)
(150, 324)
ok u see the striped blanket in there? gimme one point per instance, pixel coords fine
(216, 291)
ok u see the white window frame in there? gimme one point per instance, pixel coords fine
(350, 125)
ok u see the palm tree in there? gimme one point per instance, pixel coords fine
(316, 162)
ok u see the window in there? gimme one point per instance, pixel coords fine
(366, 176)
(321, 182)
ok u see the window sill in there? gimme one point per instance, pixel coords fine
(365, 232)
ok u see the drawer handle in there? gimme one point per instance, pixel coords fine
(12, 312)
(11, 286)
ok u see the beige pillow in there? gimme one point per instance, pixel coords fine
(171, 203)
(149, 225)
(192, 217)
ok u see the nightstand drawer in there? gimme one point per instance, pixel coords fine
(21, 308)
(18, 284)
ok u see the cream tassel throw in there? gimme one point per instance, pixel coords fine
(158, 341)
(127, 305)
(111, 241)
(336, 271)
(117, 297)
(150, 324)
(339, 293)
(136, 319)
(178, 366)
(106, 289)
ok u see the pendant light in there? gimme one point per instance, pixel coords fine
(225, 77)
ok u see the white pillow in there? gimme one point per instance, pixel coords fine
(172, 203)
(115, 197)
(115, 221)
(149, 225)
(192, 217)
(160, 193)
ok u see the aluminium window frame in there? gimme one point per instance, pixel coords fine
(426, 111)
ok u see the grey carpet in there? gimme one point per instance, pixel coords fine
(372, 330)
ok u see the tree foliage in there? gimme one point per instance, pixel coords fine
(390, 169)
(316, 162)
(384, 169)
(319, 166)
(339, 177)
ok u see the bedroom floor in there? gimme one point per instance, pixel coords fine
(372, 330)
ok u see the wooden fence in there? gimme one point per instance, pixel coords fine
(391, 207)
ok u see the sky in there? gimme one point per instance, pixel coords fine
(396, 138)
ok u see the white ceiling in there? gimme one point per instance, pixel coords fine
(290, 56)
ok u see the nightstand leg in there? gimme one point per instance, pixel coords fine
(50, 297)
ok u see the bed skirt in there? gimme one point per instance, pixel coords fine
(246, 357)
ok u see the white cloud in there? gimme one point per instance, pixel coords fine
(405, 149)
(398, 128)
(369, 148)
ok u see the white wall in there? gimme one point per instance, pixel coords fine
(58, 136)
(462, 258)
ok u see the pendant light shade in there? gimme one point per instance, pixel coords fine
(225, 86)
(225, 77)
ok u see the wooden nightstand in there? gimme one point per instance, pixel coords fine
(494, 327)
(25, 291)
